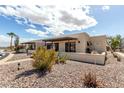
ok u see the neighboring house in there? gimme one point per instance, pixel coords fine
(79, 47)
(32, 45)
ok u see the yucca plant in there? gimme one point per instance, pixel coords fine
(44, 59)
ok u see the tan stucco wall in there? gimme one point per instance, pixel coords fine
(83, 38)
(62, 46)
(38, 44)
(85, 57)
(99, 43)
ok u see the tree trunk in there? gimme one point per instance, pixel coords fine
(11, 43)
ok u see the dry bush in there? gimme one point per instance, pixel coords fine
(90, 80)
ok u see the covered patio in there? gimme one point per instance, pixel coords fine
(56, 43)
(31, 45)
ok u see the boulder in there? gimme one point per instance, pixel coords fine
(94, 52)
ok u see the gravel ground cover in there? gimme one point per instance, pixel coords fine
(19, 56)
(62, 75)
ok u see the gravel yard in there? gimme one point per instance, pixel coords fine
(62, 75)
(19, 56)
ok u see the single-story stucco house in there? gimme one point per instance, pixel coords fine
(80, 47)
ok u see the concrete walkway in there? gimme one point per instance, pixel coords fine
(16, 61)
(7, 58)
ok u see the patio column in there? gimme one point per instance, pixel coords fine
(34, 46)
(45, 43)
(68, 46)
(52, 45)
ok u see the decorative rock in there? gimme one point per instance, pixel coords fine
(68, 75)
(94, 52)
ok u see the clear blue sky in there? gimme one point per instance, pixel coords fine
(108, 20)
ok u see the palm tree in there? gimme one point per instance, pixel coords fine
(11, 34)
(16, 42)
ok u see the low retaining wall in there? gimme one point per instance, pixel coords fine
(85, 57)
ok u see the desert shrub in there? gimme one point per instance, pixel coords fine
(63, 59)
(118, 59)
(43, 59)
(18, 47)
(116, 56)
(90, 80)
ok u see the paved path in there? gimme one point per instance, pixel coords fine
(7, 58)
(16, 61)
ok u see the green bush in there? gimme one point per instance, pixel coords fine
(44, 59)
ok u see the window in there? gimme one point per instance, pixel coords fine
(56, 46)
(70, 47)
(53, 46)
(49, 46)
